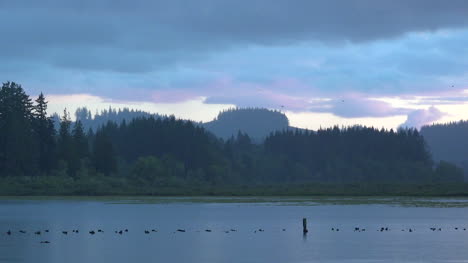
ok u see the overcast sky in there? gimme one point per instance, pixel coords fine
(323, 62)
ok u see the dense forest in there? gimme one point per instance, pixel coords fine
(448, 142)
(164, 155)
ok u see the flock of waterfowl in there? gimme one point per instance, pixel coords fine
(149, 231)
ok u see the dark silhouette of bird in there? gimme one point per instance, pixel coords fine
(180, 230)
(356, 229)
(45, 242)
(120, 232)
(233, 230)
(208, 230)
(37, 232)
(65, 232)
(337, 229)
(261, 230)
(22, 232)
(333, 229)
(126, 230)
(92, 232)
(8, 232)
(147, 232)
(410, 230)
(284, 229)
(47, 230)
(154, 230)
(456, 228)
(100, 231)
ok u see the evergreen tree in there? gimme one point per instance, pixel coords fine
(45, 135)
(66, 150)
(78, 148)
(80, 141)
(18, 149)
(104, 158)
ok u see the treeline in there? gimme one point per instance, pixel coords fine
(448, 142)
(152, 155)
(100, 118)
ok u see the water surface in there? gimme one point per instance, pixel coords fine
(280, 218)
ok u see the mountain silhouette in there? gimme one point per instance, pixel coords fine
(258, 123)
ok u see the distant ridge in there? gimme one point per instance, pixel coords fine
(101, 118)
(448, 142)
(258, 123)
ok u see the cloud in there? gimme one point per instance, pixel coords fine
(358, 107)
(193, 109)
(277, 94)
(294, 96)
(141, 35)
(419, 118)
(300, 56)
(449, 99)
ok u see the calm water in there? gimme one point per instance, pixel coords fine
(245, 215)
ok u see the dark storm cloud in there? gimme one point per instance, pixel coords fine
(134, 36)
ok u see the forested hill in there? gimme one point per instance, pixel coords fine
(148, 154)
(258, 123)
(85, 116)
(448, 142)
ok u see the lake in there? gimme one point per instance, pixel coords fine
(280, 219)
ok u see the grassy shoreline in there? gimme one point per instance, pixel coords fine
(122, 188)
(400, 201)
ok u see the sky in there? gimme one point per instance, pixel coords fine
(321, 62)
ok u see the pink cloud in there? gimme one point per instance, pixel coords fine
(419, 118)
(284, 93)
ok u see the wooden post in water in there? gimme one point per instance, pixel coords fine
(304, 225)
